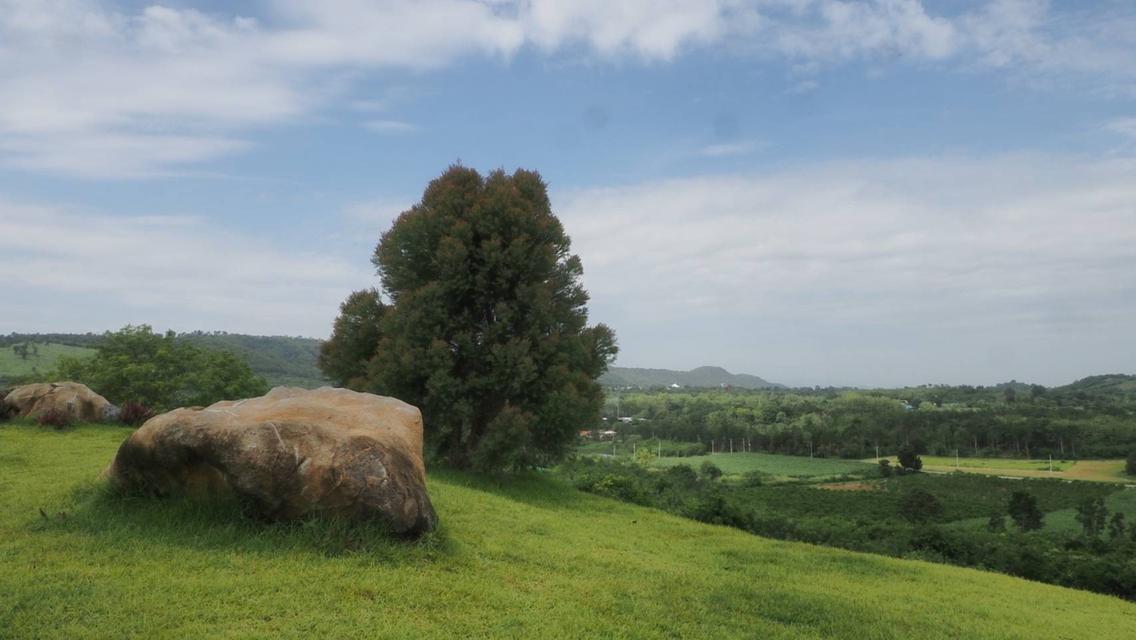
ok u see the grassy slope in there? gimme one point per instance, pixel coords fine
(533, 559)
(12, 365)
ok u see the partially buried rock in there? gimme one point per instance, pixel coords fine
(30, 400)
(290, 454)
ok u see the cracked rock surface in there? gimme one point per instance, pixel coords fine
(290, 454)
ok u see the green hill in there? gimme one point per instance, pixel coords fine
(41, 357)
(1103, 385)
(700, 377)
(528, 559)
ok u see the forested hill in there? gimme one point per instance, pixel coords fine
(1104, 385)
(280, 360)
(700, 377)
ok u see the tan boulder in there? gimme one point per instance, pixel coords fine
(84, 405)
(290, 454)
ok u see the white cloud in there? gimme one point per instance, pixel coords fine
(1124, 126)
(954, 258)
(152, 91)
(725, 149)
(389, 127)
(69, 269)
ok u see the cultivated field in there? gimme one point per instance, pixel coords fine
(1094, 470)
(778, 466)
(529, 559)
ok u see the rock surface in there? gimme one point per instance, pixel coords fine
(84, 405)
(289, 454)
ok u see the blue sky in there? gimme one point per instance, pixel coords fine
(876, 192)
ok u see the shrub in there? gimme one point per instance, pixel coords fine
(1024, 511)
(1130, 466)
(135, 413)
(56, 418)
(885, 468)
(709, 470)
(908, 459)
(919, 505)
(753, 479)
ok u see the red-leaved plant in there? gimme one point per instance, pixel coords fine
(135, 413)
(58, 418)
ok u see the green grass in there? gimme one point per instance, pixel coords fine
(996, 463)
(1092, 470)
(775, 465)
(11, 365)
(531, 558)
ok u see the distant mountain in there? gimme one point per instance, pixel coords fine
(700, 377)
(1108, 384)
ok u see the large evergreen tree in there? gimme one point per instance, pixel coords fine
(487, 332)
(343, 358)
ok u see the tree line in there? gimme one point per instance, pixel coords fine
(972, 421)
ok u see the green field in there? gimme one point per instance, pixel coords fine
(40, 361)
(774, 465)
(1093, 470)
(529, 559)
(1063, 522)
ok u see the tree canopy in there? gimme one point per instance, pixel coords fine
(487, 327)
(135, 364)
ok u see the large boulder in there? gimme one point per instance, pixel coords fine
(30, 400)
(290, 454)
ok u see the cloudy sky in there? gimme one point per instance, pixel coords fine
(863, 192)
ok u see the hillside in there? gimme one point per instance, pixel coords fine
(280, 360)
(1103, 385)
(532, 558)
(700, 377)
(40, 357)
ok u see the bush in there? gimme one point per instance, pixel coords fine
(56, 418)
(1130, 466)
(1025, 512)
(920, 506)
(885, 468)
(753, 479)
(135, 413)
(908, 459)
(709, 470)
(136, 364)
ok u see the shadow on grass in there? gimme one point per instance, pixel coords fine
(222, 524)
(541, 489)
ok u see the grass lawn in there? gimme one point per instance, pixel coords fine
(527, 559)
(773, 464)
(47, 355)
(1094, 470)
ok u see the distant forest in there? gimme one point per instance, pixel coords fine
(1091, 418)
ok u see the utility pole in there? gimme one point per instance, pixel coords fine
(956, 459)
(877, 453)
(731, 445)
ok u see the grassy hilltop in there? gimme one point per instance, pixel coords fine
(533, 558)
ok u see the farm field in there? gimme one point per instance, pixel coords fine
(526, 559)
(778, 466)
(43, 359)
(1093, 470)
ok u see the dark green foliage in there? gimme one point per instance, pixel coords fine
(354, 340)
(908, 459)
(1092, 514)
(137, 365)
(1116, 526)
(1024, 511)
(996, 523)
(709, 470)
(487, 333)
(55, 418)
(919, 505)
(1130, 464)
(885, 468)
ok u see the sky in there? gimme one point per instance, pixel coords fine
(819, 192)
